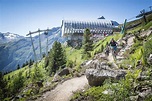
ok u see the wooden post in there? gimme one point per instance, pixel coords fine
(40, 44)
(33, 48)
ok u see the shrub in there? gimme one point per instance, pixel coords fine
(147, 50)
(70, 64)
(18, 82)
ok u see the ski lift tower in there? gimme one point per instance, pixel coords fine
(39, 31)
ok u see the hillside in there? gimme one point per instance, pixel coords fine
(126, 77)
(20, 51)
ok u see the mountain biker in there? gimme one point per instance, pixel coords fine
(113, 45)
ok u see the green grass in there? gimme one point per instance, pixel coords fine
(147, 26)
(74, 55)
(137, 54)
(134, 29)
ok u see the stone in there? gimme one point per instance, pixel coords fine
(58, 75)
(139, 63)
(96, 77)
(100, 56)
(108, 91)
(56, 78)
(64, 71)
(149, 60)
(40, 83)
(97, 72)
(145, 91)
(134, 98)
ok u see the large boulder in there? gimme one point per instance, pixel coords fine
(98, 72)
(96, 77)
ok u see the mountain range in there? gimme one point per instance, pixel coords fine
(16, 49)
(9, 37)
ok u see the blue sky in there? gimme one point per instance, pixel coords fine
(22, 16)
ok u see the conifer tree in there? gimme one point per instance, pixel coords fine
(2, 86)
(30, 63)
(18, 66)
(57, 57)
(87, 42)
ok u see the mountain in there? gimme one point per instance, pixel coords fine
(9, 37)
(18, 52)
(115, 23)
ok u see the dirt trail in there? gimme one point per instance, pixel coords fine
(63, 91)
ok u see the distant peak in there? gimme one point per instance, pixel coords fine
(101, 17)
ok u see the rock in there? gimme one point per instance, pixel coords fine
(119, 58)
(58, 75)
(96, 64)
(56, 78)
(97, 72)
(149, 60)
(143, 76)
(18, 97)
(100, 56)
(145, 92)
(139, 62)
(108, 91)
(64, 71)
(40, 83)
(133, 98)
(96, 77)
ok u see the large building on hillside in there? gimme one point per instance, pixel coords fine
(74, 30)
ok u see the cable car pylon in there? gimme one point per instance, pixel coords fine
(39, 31)
(40, 44)
(33, 47)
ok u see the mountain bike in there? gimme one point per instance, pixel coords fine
(114, 52)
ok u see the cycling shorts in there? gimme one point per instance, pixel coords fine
(114, 48)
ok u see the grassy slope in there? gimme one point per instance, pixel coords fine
(25, 71)
(74, 55)
(124, 85)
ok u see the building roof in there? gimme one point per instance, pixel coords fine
(102, 21)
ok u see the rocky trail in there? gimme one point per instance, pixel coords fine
(64, 91)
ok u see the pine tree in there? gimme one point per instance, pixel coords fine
(87, 42)
(27, 63)
(3, 87)
(57, 57)
(23, 65)
(46, 61)
(18, 66)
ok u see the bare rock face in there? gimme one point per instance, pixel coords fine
(100, 71)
